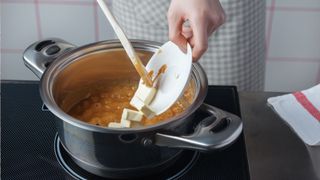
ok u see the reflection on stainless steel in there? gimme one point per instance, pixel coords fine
(204, 138)
(36, 58)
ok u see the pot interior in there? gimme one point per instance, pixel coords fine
(80, 84)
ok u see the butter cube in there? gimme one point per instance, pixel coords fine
(147, 112)
(145, 93)
(125, 123)
(136, 102)
(114, 125)
(131, 115)
(142, 107)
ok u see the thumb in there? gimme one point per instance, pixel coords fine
(187, 32)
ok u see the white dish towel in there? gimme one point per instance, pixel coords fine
(301, 111)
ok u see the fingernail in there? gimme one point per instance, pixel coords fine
(183, 47)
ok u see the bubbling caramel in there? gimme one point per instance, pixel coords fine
(108, 99)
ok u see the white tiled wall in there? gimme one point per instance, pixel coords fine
(73, 23)
(292, 36)
(293, 43)
(293, 75)
(26, 21)
(18, 26)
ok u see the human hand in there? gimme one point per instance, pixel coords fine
(203, 16)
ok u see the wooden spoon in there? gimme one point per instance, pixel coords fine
(126, 44)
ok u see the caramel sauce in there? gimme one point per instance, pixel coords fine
(150, 74)
(162, 70)
(141, 71)
(108, 99)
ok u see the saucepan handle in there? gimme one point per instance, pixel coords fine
(217, 131)
(38, 56)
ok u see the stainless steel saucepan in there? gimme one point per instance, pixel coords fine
(67, 72)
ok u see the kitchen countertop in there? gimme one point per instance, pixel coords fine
(273, 150)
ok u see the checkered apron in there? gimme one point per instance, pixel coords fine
(236, 52)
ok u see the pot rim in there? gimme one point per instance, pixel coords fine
(48, 78)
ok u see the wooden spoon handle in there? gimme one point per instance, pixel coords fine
(126, 44)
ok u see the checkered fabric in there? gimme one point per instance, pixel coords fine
(236, 53)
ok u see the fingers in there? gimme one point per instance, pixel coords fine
(205, 17)
(175, 31)
(199, 40)
(201, 29)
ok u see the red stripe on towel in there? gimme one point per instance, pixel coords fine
(304, 101)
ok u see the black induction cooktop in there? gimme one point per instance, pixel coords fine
(30, 148)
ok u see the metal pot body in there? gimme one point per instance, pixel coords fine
(67, 75)
(116, 155)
